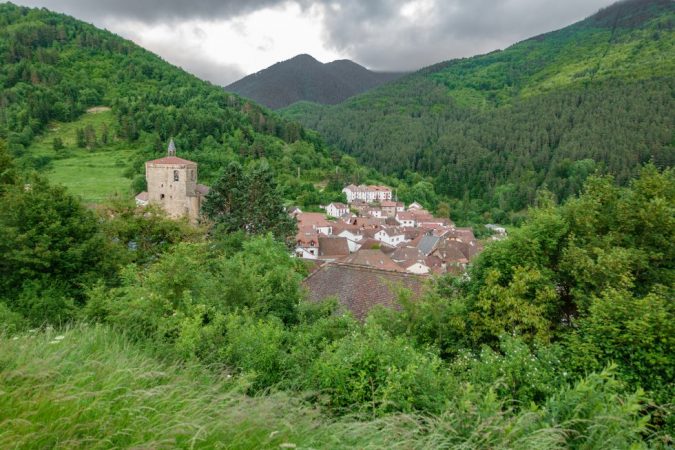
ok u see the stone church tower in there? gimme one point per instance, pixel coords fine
(172, 183)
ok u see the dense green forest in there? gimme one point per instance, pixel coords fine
(493, 129)
(55, 67)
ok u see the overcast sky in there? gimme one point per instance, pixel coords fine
(223, 40)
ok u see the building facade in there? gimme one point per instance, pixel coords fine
(172, 184)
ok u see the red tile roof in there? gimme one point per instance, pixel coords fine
(333, 246)
(359, 288)
(373, 258)
(171, 160)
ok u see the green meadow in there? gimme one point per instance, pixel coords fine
(92, 174)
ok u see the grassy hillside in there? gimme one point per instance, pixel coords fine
(547, 111)
(54, 68)
(90, 387)
(94, 174)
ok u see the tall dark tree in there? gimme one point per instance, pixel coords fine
(248, 201)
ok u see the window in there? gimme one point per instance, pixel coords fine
(192, 175)
(161, 196)
(175, 175)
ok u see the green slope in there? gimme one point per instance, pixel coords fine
(54, 68)
(546, 111)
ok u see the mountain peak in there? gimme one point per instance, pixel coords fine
(303, 57)
(304, 78)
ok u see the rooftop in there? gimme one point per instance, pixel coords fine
(359, 289)
(171, 160)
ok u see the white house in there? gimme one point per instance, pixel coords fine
(367, 194)
(417, 267)
(307, 243)
(415, 205)
(337, 209)
(391, 236)
(496, 229)
(406, 219)
(375, 212)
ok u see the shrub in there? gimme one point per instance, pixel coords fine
(372, 371)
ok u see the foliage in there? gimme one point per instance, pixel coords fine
(380, 373)
(51, 247)
(140, 236)
(248, 201)
(637, 333)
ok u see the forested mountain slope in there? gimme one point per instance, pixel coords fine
(304, 78)
(546, 111)
(55, 67)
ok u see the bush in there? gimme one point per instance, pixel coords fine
(636, 333)
(10, 321)
(371, 371)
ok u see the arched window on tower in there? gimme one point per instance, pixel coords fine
(175, 175)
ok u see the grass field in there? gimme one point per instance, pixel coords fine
(92, 174)
(91, 388)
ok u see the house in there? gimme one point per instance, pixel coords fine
(376, 212)
(333, 247)
(411, 259)
(307, 243)
(406, 218)
(172, 184)
(293, 211)
(391, 235)
(351, 233)
(366, 194)
(142, 199)
(316, 221)
(390, 208)
(337, 209)
(359, 288)
(373, 258)
(415, 205)
(496, 229)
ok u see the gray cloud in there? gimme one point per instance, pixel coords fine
(372, 32)
(377, 35)
(152, 11)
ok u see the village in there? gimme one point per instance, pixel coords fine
(366, 250)
(360, 252)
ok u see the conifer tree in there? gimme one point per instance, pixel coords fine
(248, 201)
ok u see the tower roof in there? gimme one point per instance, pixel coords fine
(171, 151)
(171, 160)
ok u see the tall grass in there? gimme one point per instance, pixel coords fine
(90, 387)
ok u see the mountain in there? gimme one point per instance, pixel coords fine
(546, 112)
(305, 78)
(80, 104)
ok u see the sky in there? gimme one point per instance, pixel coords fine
(224, 40)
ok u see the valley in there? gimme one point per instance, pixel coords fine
(478, 254)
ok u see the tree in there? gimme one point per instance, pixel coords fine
(57, 144)
(248, 201)
(51, 247)
(8, 174)
(80, 138)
